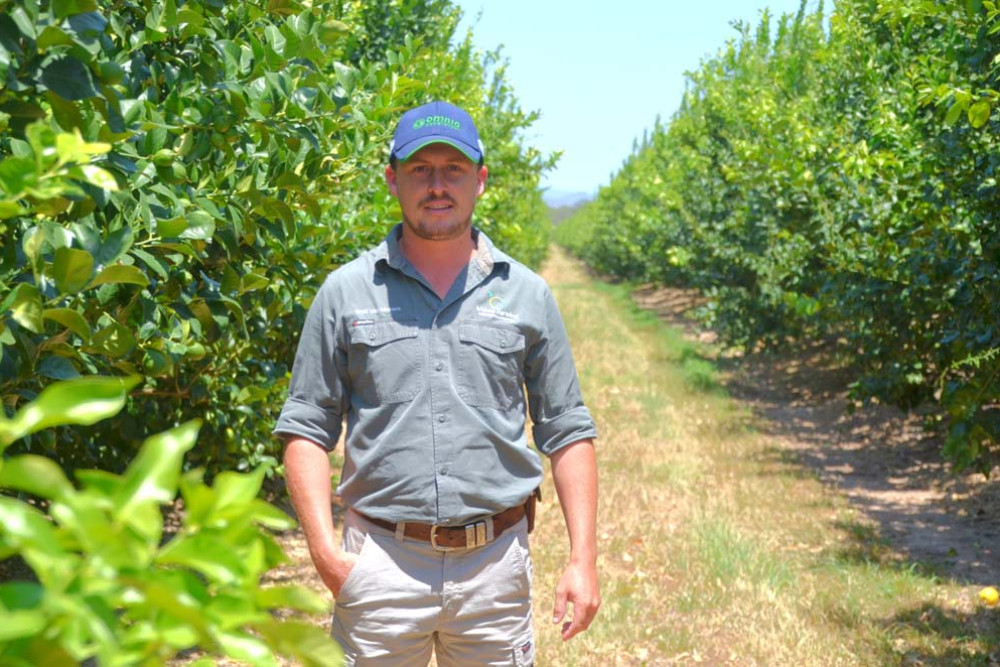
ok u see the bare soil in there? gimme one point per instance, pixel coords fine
(880, 458)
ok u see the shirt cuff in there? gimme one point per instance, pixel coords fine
(310, 422)
(565, 429)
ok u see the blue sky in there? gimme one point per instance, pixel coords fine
(600, 73)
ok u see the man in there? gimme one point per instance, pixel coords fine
(425, 345)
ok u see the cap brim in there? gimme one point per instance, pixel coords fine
(406, 151)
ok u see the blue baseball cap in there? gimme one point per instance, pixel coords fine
(436, 123)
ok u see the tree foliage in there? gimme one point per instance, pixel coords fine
(835, 178)
(108, 587)
(177, 177)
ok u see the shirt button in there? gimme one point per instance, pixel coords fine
(503, 342)
(371, 336)
(439, 366)
(441, 418)
(444, 471)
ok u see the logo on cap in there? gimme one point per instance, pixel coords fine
(436, 120)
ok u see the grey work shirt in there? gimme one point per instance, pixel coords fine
(434, 389)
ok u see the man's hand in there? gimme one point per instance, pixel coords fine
(334, 566)
(578, 585)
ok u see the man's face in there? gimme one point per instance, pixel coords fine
(437, 189)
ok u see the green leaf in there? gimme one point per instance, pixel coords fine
(23, 623)
(152, 477)
(206, 554)
(71, 147)
(25, 304)
(121, 273)
(233, 488)
(309, 644)
(332, 31)
(18, 174)
(9, 209)
(24, 527)
(69, 78)
(64, 8)
(113, 247)
(84, 401)
(21, 595)
(114, 340)
(246, 648)
(96, 176)
(291, 597)
(72, 269)
(270, 516)
(53, 36)
(153, 262)
(954, 112)
(252, 281)
(57, 368)
(70, 319)
(979, 113)
(346, 75)
(172, 227)
(200, 226)
(36, 475)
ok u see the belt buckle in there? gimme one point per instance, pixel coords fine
(475, 536)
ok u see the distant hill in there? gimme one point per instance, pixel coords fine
(559, 213)
(559, 198)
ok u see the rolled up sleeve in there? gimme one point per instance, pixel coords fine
(316, 396)
(555, 402)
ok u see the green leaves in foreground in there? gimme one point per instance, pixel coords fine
(109, 586)
(84, 401)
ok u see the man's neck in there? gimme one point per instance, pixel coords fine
(440, 262)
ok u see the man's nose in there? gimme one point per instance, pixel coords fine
(436, 182)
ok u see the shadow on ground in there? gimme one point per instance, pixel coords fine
(883, 460)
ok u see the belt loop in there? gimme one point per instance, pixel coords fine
(489, 530)
(400, 531)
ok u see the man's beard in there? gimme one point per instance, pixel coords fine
(441, 231)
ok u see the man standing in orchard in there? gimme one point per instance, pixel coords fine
(433, 346)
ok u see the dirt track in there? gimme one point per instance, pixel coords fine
(881, 459)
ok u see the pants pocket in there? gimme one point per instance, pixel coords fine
(360, 544)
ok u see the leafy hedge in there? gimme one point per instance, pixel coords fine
(176, 179)
(108, 588)
(836, 179)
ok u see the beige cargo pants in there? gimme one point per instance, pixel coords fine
(404, 599)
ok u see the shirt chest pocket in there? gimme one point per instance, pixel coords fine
(489, 362)
(384, 362)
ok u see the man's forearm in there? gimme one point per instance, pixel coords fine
(574, 471)
(307, 472)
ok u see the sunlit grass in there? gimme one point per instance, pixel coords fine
(715, 545)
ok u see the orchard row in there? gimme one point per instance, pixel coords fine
(835, 178)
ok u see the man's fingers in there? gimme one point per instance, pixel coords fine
(559, 610)
(583, 616)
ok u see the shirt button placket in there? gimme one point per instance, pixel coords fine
(440, 405)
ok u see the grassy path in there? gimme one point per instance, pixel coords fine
(715, 548)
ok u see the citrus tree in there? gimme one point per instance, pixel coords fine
(835, 178)
(177, 178)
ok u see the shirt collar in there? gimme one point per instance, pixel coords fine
(487, 255)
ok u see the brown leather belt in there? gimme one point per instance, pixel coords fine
(451, 538)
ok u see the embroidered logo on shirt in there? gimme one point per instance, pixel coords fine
(495, 300)
(494, 307)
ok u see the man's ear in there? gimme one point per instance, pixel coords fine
(390, 179)
(481, 179)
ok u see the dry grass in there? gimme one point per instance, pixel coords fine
(717, 548)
